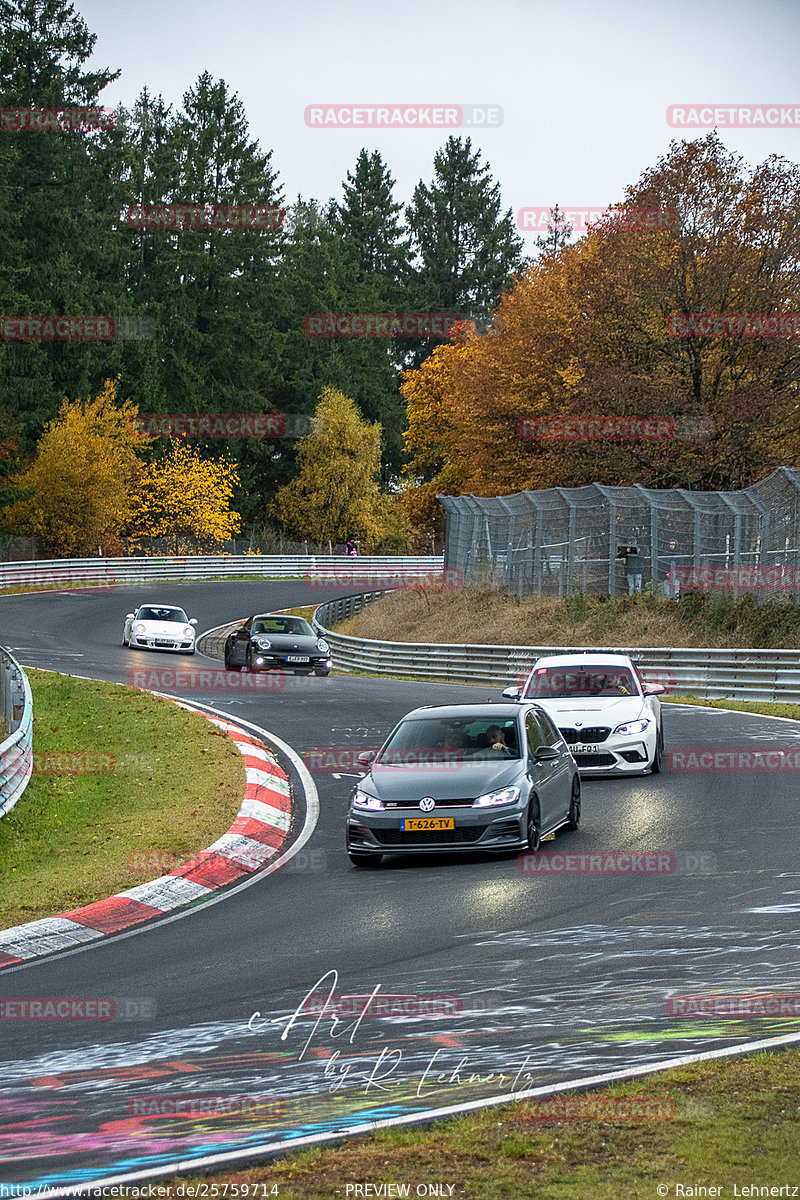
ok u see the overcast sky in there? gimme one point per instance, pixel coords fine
(584, 88)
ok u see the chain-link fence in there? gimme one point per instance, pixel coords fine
(560, 540)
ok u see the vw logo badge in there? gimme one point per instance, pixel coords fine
(427, 803)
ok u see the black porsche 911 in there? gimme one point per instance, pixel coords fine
(271, 641)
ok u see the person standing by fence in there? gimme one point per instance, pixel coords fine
(634, 566)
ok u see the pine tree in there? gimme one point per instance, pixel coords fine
(559, 231)
(56, 236)
(467, 250)
(367, 220)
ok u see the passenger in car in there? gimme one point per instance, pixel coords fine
(495, 739)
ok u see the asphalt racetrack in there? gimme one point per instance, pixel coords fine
(503, 979)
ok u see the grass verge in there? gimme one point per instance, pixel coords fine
(120, 778)
(766, 708)
(729, 1122)
(487, 616)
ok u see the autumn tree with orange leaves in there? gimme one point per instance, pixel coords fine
(82, 483)
(183, 495)
(586, 332)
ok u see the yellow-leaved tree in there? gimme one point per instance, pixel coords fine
(84, 478)
(185, 496)
(336, 494)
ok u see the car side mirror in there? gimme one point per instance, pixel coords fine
(365, 758)
(193, 620)
(545, 753)
(654, 689)
(512, 693)
(129, 617)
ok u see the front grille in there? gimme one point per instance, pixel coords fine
(596, 760)
(410, 804)
(427, 837)
(589, 737)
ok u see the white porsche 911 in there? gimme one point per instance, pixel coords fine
(159, 627)
(606, 713)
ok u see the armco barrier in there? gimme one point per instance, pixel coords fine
(16, 719)
(708, 673)
(104, 573)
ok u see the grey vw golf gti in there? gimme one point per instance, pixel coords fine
(494, 777)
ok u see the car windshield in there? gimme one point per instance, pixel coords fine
(432, 739)
(296, 626)
(551, 683)
(149, 612)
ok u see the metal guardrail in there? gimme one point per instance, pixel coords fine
(16, 717)
(326, 570)
(708, 673)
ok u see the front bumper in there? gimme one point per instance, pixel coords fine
(265, 661)
(616, 756)
(180, 645)
(370, 832)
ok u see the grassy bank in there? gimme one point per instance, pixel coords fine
(488, 616)
(724, 1123)
(120, 777)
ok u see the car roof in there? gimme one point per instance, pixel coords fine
(584, 660)
(158, 604)
(465, 711)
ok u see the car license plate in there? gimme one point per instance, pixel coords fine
(578, 750)
(296, 658)
(428, 823)
(164, 642)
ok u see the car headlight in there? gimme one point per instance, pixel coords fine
(188, 631)
(508, 795)
(140, 628)
(263, 643)
(323, 646)
(632, 727)
(364, 800)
